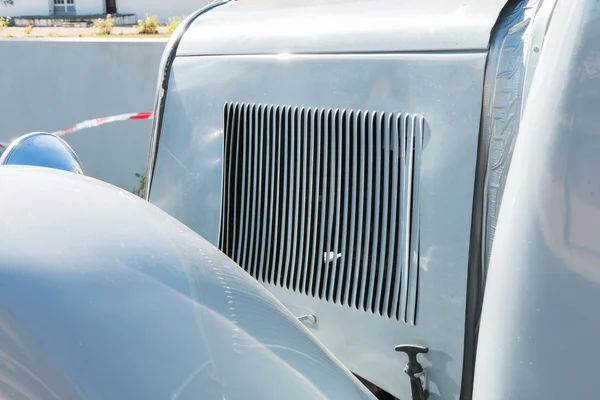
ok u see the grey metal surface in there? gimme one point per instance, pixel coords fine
(445, 88)
(512, 60)
(104, 296)
(513, 56)
(162, 84)
(43, 150)
(539, 325)
(322, 26)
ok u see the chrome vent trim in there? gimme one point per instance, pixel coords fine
(308, 203)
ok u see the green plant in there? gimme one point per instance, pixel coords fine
(4, 22)
(139, 191)
(173, 23)
(28, 29)
(149, 26)
(104, 26)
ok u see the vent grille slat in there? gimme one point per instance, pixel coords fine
(255, 156)
(240, 177)
(276, 231)
(245, 195)
(325, 202)
(408, 183)
(263, 194)
(223, 242)
(350, 296)
(284, 137)
(404, 223)
(289, 135)
(415, 225)
(268, 196)
(330, 252)
(392, 274)
(315, 200)
(378, 119)
(303, 148)
(324, 127)
(383, 181)
(297, 154)
(346, 261)
(274, 187)
(361, 200)
(368, 212)
(310, 135)
(336, 276)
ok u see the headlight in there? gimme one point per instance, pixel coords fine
(43, 150)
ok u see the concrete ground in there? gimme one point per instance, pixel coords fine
(118, 31)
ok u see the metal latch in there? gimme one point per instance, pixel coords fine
(309, 319)
(414, 370)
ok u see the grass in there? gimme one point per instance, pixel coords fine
(124, 36)
(114, 35)
(118, 32)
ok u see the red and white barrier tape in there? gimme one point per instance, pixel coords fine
(99, 121)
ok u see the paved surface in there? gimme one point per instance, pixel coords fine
(74, 32)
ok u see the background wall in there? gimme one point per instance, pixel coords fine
(89, 7)
(26, 7)
(49, 85)
(44, 7)
(162, 8)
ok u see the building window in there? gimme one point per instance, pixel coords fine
(64, 6)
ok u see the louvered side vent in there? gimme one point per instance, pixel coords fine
(325, 202)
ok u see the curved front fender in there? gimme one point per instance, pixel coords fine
(103, 295)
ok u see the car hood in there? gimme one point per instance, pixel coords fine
(325, 26)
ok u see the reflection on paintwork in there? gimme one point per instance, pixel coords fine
(445, 89)
(348, 26)
(544, 276)
(105, 296)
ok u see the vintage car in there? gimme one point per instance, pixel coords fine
(105, 296)
(401, 172)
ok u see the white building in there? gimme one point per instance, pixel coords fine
(56, 8)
